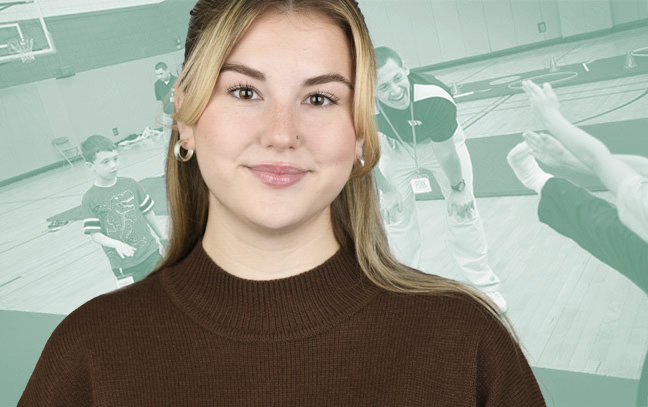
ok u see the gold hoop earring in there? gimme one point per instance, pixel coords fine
(178, 156)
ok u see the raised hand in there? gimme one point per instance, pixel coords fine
(543, 99)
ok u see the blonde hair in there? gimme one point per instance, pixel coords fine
(214, 29)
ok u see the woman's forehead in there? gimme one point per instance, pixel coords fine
(303, 38)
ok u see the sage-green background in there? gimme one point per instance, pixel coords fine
(104, 65)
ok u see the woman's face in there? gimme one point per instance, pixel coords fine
(276, 142)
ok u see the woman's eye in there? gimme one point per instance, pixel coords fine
(244, 93)
(319, 99)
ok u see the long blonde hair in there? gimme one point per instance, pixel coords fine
(214, 28)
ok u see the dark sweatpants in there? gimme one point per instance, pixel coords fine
(594, 224)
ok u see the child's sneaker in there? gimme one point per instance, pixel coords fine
(56, 225)
(526, 168)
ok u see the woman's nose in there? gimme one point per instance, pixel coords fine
(282, 133)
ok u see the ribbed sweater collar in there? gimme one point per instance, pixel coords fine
(274, 310)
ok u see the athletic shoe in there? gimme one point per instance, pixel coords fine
(526, 168)
(498, 299)
(56, 225)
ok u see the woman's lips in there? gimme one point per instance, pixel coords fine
(278, 175)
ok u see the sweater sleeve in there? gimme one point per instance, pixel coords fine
(504, 377)
(61, 377)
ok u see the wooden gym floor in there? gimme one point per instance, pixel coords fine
(570, 311)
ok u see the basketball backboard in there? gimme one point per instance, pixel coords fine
(23, 31)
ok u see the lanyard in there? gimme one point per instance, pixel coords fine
(413, 123)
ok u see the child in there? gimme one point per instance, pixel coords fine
(618, 236)
(117, 214)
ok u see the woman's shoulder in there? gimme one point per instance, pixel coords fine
(456, 315)
(455, 330)
(95, 329)
(438, 302)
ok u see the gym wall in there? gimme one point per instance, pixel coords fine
(93, 102)
(439, 31)
(104, 60)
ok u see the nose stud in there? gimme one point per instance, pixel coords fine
(298, 137)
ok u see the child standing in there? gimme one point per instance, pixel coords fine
(118, 213)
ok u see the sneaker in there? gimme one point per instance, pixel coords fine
(498, 299)
(56, 225)
(525, 167)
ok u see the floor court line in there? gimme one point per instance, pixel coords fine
(487, 111)
(40, 199)
(566, 97)
(486, 108)
(563, 101)
(10, 281)
(613, 109)
(24, 242)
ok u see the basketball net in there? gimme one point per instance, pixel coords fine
(23, 48)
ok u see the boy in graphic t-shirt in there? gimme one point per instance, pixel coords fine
(118, 213)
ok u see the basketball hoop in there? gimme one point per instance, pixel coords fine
(23, 48)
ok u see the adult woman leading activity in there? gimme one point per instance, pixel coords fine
(278, 287)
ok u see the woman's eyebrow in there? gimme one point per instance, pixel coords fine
(326, 78)
(245, 70)
(256, 74)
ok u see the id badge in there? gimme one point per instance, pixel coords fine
(123, 282)
(421, 185)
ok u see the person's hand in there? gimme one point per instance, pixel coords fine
(461, 203)
(123, 249)
(551, 152)
(543, 99)
(391, 204)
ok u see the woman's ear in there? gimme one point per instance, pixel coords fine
(185, 131)
(359, 147)
(178, 98)
(186, 135)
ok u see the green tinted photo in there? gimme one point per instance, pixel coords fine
(309, 202)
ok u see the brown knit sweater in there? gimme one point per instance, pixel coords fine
(194, 335)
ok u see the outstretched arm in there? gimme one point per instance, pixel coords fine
(638, 163)
(587, 149)
(551, 152)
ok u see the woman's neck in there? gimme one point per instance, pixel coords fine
(254, 254)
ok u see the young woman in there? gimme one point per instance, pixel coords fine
(278, 287)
